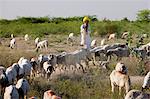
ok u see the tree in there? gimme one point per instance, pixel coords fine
(143, 15)
(94, 18)
(125, 19)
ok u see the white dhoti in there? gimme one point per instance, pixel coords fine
(85, 40)
(85, 37)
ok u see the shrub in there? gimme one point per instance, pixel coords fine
(44, 25)
(108, 28)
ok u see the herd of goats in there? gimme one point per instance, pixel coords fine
(14, 79)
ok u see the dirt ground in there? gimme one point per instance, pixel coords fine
(57, 44)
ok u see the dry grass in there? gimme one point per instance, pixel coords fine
(94, 84)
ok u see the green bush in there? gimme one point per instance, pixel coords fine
(104, 28)
(45, 26)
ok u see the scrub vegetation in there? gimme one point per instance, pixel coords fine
(94, 84)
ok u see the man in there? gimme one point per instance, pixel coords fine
(85, 33)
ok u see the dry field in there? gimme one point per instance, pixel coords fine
(94, 84)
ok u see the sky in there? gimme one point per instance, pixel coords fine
(110, 9)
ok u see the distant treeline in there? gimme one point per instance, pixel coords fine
(46, 19)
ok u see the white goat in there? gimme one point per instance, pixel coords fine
(94, 43)
(70, 38)
(48, 94)
(16, 67)
(121, 68)
(145, 36)
(2, 68)
(25, 67)
(11, 92)
(94, 53)
(48, 69)
(145, 47)
(97, 51)
(124, 35)
(12, 36)
(41, 59)
(73, 58)
(113, 46)
(23, 60)
(141, 52)
(102, 42)
(23, 88)
(119, 52)
(121, 80)
(26, 37)
(11, 74)
(12, 43)
(36, 41)
(112, 36)
(25, 70)
(136, 94)
(34, 69)
(146, 83)
(42, 44)
(104, 64)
